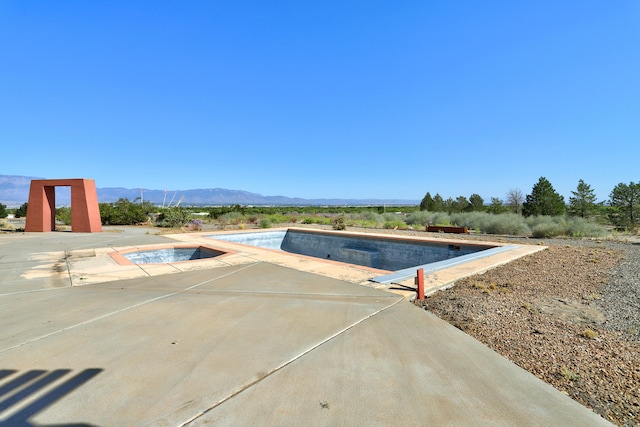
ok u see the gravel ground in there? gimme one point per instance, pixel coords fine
(570, 315)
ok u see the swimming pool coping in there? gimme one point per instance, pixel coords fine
(101, 266)
(435, 280)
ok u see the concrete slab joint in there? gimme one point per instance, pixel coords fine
(85, 213)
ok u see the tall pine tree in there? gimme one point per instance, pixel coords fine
(583, 201)
(543, 200)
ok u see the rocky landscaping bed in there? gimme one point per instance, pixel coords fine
(570, 315)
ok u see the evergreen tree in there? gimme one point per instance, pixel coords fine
(496, 206)
(3, 211)
(625, 199)
(427, 203)
(476, 202)
(543, 200)
(583, 201)
(438, 203)
(449, 205)
(21, 212)
(461, 204)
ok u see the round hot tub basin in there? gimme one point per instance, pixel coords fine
(171, 255)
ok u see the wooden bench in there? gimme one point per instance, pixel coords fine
(447, 229)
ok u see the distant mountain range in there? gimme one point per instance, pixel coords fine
(14, 191)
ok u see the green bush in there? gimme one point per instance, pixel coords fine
(125, 212)
(277, 218)
(581, 227)
(419, 218)
(546, 230)
(265, 223)
(174, 217)
(21, 212)
(428, 218)
(369, 216)
(339, 222)
(3, 211)
(232, 218)
(472, 220)
(316, 220)
(394, 224)
(362, 223)
(507, 223)
(391, 217)
(64, 215)
(366, 219)
(547, 226)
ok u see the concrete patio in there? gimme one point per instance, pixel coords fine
(251, 340)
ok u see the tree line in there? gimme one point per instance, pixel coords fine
(622, 210)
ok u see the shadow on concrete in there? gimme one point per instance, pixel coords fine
(18, 389)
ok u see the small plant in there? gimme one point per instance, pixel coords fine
(389, 225)
(589, 334)
(173, 217)
(265, 223)
(339, 223)
(196, 224)
(568, 374)
(592, 297)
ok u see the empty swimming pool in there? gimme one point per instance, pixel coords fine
(400, 255)
(166, 255)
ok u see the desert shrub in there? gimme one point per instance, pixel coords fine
(581, 227)
(339, 222)
(547, 226)
(316, 220)
(362, 223)
(390, 216)
(277, 218)
(507, 223)
(232, 218)
(63, 215)
(125, 212)
(547, 230)
(419, 218)
(3, 211)
(394, 224)
(367, 219)
(439, 218)
(265, 223)
(21, 212)
(472, 220)
(174, 217)
(428, 218)
(369, 216)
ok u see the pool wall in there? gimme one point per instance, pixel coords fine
(166, 254)
(372, 251)
(390, 253)
(158, 256)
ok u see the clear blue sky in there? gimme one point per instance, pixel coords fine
(315, 99)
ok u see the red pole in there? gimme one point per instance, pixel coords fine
(420, 283)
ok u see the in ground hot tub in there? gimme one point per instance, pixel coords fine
(170, 255)
(401, 255)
